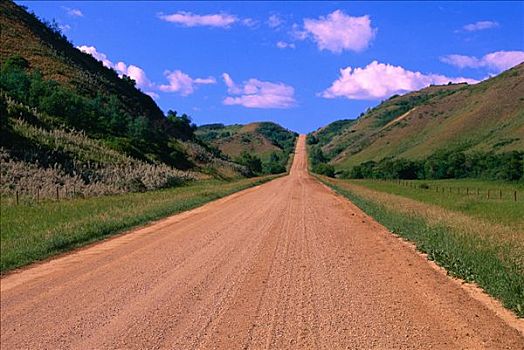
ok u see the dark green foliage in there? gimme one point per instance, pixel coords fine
(318, 162)
(16, 62)
(311, 139)
(324, 169)
(446, 165)
(278, 135)
(316, 156)
(100, 116)
(251, 162)
(282, 138)
(275, 165)
(214, 126)
(180, 126)
(326, 134)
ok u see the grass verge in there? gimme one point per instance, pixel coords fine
(495, 264)
(34, 232)
(496, 210)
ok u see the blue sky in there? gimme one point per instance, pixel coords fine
(301, 64)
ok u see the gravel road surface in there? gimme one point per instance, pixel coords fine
(287, 264)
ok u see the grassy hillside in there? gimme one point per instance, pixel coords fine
(267, 141)
(49, 52)
(69, 121)
(487, 118)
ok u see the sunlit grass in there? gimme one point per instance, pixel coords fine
(34, 232)
(500, 211)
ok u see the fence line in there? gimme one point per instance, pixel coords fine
(35, 196)
(467, 191)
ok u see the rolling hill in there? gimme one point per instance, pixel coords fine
(486, 117)
(66, 118)
(266, 140)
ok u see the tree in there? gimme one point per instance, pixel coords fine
(180, 126)
(324, 169)
(274, 165)
(251, 162)
(138, 129)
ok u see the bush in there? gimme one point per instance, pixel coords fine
(446, 165)
(102, 116)
(324, 169)
(251, 162)
(275, 165)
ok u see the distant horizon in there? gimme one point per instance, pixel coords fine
(301, 65)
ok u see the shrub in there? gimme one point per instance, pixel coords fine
(443, 164)
(251, 162)
(324, 169)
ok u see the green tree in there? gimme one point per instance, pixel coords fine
(251, 162)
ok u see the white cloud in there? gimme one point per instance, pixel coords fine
(153, 94)
(98, 55)
(73, 12)
(379, 80)
(64, 27)
(480, 25)
(496, 61)
(297, 32)
(178, 81)
(285, 45)
(189, 19)
(250, 22)
(134, 72)
(259, 94)
(182, 83)
(231, 86)
(339, 32)
(274, 21)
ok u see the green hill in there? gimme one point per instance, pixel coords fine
(486, 118)
(68, 120)
(268, 141)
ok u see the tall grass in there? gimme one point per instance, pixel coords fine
(70, 160)
(503, 211)
(34, 232)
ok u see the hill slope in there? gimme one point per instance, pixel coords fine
(49, 52)
(485, 117)
(50, 88)
(266, 140)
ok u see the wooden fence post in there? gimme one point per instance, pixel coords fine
(500, 194)
(57, 194)
(488, 194)
(515, 196)
(16, 197)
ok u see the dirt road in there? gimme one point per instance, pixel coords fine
(284, 265)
